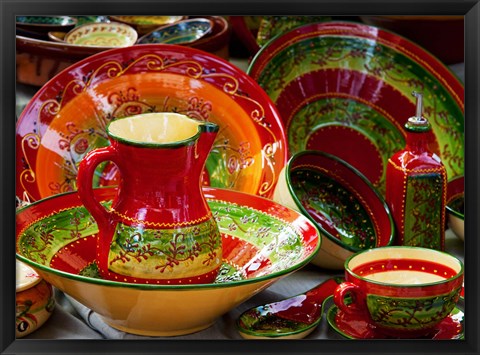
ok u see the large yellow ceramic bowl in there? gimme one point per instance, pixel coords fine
(262, 242)
(349, 212)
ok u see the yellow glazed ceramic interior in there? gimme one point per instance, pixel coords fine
(158, 128)
(405, 277)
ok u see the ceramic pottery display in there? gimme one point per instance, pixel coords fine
(416, 187)
(456, 206)
(345, 88)
(403, 292)
(262, 242)
(67, 117)
(34, 300)
(349, 212)
(160, 228)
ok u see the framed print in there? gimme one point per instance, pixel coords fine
(274, 80)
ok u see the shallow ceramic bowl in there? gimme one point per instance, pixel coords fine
(34, 300)
(346, 89)
(67, 117)
(185, 31)
(456, 206)
(262, 242)
(434, 33)
(111, 34)
(145, 24)
(349, 212)
(44, 24)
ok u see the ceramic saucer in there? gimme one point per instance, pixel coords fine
(353, 327)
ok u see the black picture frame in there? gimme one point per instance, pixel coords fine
(11, 8)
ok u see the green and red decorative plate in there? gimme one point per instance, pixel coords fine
(346, 89)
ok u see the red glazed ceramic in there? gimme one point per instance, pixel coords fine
(34, 300)
(67, 117)
(402, 291)
(262, 242)
(292, 318)
(416, 187)
(159, 228)
(345, 88)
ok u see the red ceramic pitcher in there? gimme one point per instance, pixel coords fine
(159, 228)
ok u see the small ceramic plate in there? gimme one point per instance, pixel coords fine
(109, 34)
(354, 327)
(67, 117)
(182, 32)
(346, 89)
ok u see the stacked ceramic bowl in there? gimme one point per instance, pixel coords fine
(46, 45)
(344, 89)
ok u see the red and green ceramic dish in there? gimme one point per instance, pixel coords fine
(354, 326)
(344, 205)
(345, 88)
(67, 117)
(261, 239)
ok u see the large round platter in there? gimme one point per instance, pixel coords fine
(67, 117)
(346, 89)
(262, 242)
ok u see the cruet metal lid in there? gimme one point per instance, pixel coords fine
(418, 123)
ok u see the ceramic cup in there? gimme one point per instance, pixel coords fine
(34, 300)
(403, 291)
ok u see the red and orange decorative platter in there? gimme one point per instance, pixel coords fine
(67, 117)
(262, 242)
(346, 89)
(353, 326)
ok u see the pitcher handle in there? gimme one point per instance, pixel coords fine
(86, 170)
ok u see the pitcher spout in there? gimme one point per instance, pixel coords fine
(208, 133)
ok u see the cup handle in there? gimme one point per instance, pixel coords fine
(345, 289)
(86, 170)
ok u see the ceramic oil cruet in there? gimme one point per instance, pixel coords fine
(159, 228)
(416, 187)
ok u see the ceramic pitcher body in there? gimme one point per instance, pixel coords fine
(159, 229)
